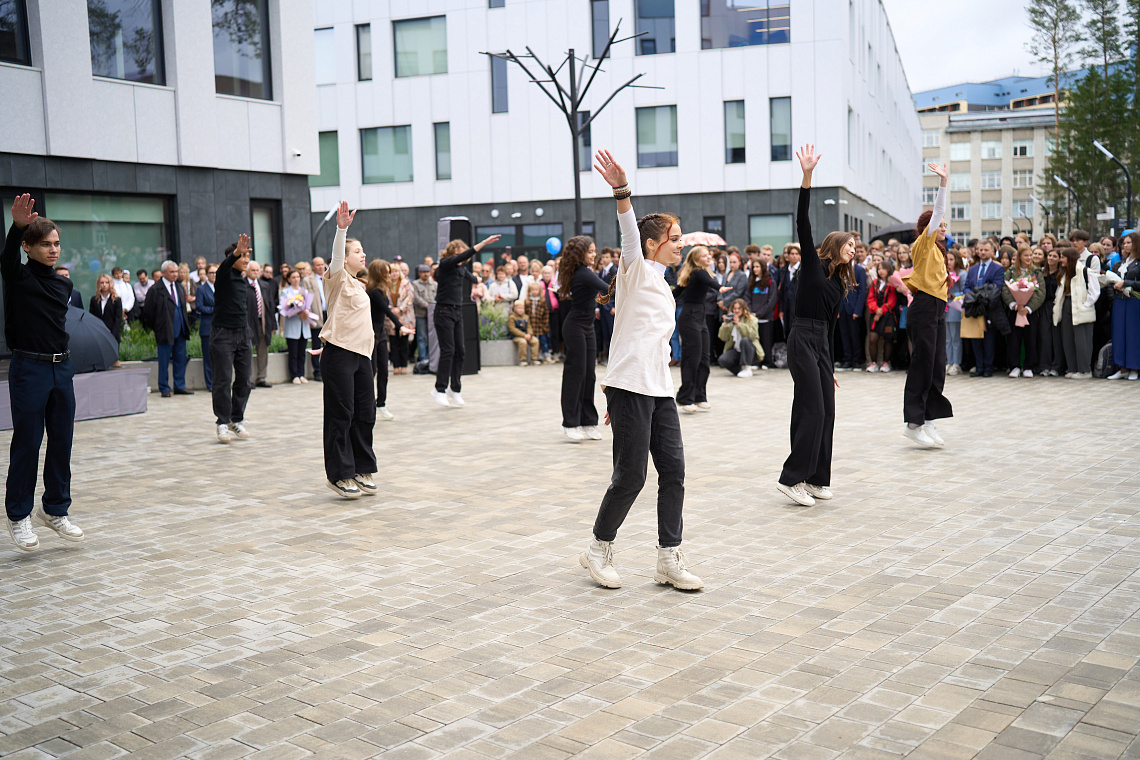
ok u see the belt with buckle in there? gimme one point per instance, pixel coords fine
(53, 358)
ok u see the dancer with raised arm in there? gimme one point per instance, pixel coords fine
(449, 277)
(579, 286)
(346, 366)
(231, 351)
(639, 390)
(923, 400)
(694, 283)
(824, 277)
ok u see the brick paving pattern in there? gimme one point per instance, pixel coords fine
(977, 602)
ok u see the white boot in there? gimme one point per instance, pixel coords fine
(672, 569)
(599, 560)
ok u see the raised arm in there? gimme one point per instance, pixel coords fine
(808, 160)
(939, 212)
(614, 176)
(22, 216)
(343, 219)
(229, 261)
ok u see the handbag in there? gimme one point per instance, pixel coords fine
(973, 327)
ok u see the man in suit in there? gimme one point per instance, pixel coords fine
(314, 281)
(76, 298)
(607, 312)
(164, 311)
(205, 306)
(787, 286)
(985, 272)
(262, 320)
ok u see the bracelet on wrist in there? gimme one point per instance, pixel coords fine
(623, 193)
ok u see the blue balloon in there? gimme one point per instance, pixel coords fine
(95, 265)
(553, 246)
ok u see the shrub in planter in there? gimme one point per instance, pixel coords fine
(492, 321)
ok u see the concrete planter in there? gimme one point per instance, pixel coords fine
(498, 353)
(277, 371)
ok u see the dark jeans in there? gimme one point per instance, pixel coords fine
(738, 357)
(715, 345)
(421, 339)
(644, 426)
(42, 397)
(1022, 337)
(316, 360)
(165, 353)
(449, 333)
(578, 374)
(694, 354)
(984, 350)
(923, 399)
(207, 365)
(398, 347)
(296, 356)
(380, 369)
(350, 413)
(1042, 336)
(1076, 340)
(232, 357)
(813, 404)
(764, 330)
(852, 339)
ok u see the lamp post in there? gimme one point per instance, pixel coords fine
(1127, 179)
(324, 221)
(1044, 209)
(1076, 199)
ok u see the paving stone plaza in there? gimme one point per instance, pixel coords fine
(982, 601)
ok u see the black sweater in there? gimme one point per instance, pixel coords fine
(449, 277)
(35, 301)
(818, 295)
(762, 298)
(698, 288)
(584, 289)
(380, 310)
(230, 297)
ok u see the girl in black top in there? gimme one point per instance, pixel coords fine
(694, 284)
(579, 285)
(379, 278)
(449, 276)
(1050, 351)
(761, 295)
(823, 279)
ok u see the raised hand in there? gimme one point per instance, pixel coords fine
(344, 216)
(489, 241)
(941, 171)
(610, 169)
(22, 214)
(242, 246)
(808, 158)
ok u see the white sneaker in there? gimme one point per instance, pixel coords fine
(383, 414)
(1134, 375)
(689, 408)
(918, 435)
(454, 398)
(954, 370)
(746, 372)
(599, 560)
(796, 493)
(296, 381)
(1015, 372)
(238, 429)
(365, 483)
(61, 525)
(1027, 373)
(439, 398)
(22, 534)
(224, 435)
(592, 432)
(672, 569)
(524, 364)
(574, 433)
(885, 367)
(872, 367)
(346, 488)
(703, 406)
(932, 433)
(818, 492)
(304, 380)
(1082, 376)
(1118, 375)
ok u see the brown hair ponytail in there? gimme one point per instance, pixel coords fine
(649, 227)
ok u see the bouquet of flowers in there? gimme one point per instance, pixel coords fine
(296, 302)
(1022, 291)
(896, 281)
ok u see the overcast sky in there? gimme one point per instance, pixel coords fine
(980, 40)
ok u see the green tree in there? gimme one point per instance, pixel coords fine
(1102, 28)
(1056, 33)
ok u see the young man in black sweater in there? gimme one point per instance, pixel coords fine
(231, 351)
(39, 378)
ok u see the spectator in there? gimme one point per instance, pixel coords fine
(378, 284)
(295, 306)
(125, 292)
(199, 272)
(1126, 310)
(881, 303)
(538, 313)
(735, 283)
(205, 306)
(762, 303)
(488, 271)
(1050, 351)
(503, 290)
(76, 298)
(788, 285)
(1075, 308)
(313, 284)
(957, 268)
(518, 323)
(850, 322)
(739, 334)
(985, 272)
(165, 312)
(142, 285)
(262, 317)
(403, 306)
(550, 292)
(423, 293)
(1021, 338)
(105, 305)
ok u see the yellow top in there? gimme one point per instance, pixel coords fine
(929, 273)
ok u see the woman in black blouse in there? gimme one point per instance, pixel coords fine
(579, 285)
(379, 279)
(761, 293)
(106, 305)
(823, 279)
(694, 283)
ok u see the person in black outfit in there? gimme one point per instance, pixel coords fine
(579, 286)
(694, 285)
(39, 378)
(761, 296)
(824, 278)
(379, 274)
(449, 297)
(231, 350)
(109, 311)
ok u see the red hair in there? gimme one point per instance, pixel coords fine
(923, 223)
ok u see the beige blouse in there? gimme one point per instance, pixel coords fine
(349, 323)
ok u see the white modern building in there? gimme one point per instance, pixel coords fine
(152, 129)
(417, 123)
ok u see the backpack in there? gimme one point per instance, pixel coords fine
(780, 355)
(1104, 366)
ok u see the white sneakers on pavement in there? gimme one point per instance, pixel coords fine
(932, 433)
(919, 436)
(346, 488)
(238, 429)
(574, 433)
(439, 398)
(365, 483)
(688, 408)
(672, 569)
(63, 527)
(1027, 373)
(592, 432)
(598, 559)
(384, 415)
(797, 493)
(703, 406)
(818, 492)
(23, 536)
(746, 372)
(454, 398)
(224, 435)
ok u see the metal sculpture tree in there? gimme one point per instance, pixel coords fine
(569, 98)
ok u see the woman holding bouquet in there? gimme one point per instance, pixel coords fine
(294, 307)
(1023, 294)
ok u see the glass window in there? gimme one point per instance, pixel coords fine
(656, 136)
(600, 25)
(959, 151)
(100, 232)
(364, 52)
(264, 225)
(126, 38)
(991, 180)
(497, 4)
(770, 229)
(387, 154)
(929, 195)
(739, 23)
(1023, 209)
(959, 180)
(1023, 148)
(991, 209)
(991, 148)
(585, 160)
(241, 48)
(715, 225)
(588, 228)
(330, 161)
(931, 138)
(1023, 178)
(421, 46)
(1050, 145)
(499, 101)
(734, 132)
(14, 32)
(960, 212)
(324, 49)
(443, 150)
(537, 234)
(656, 18)
(509, 236)
(781, 128)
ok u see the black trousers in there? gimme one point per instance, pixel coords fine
(578, 375)
(316, 360)
(741, 355)
(380, 369)
(765, 333)
(715, 345)
(926, 377)
(1023, 337)
(296, 356)
(1041, 333)
(43, 398)
(232, 358)
(449, 333)
(695, 347)
(851, 337)
(398, 346)
(644, 426)
(813, 404)
(350, 413)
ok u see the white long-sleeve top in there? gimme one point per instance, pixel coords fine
(644, 322)
(349, 323)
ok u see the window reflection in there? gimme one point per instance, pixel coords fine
(241, 48)
(656, 18)
(126, 39)
(14, 32)
(739, 23)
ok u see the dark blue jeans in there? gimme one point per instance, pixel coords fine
(42, 398)
(984, 351)
(178, 351)
(206, 365)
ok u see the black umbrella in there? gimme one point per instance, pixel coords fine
(93, 347)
